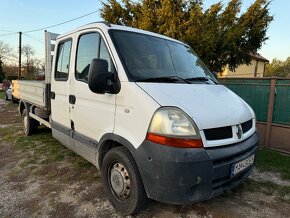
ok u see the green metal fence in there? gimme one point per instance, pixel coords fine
(281, 113)
(256, 92)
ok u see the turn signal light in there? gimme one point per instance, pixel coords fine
(175, 142)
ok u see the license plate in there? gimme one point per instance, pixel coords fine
(242, 165)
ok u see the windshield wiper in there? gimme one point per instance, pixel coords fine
(164, 79)
(201, 79)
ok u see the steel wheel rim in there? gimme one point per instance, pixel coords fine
(25, 124)
(120, 181)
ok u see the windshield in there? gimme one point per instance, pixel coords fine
(146, 58)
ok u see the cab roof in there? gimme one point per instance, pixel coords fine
(105, 26)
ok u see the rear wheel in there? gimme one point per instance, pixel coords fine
(14, 100)
(122, 181)
(29, 125)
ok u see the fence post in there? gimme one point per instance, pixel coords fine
(270, 112)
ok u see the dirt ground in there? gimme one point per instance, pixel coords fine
(41, 178)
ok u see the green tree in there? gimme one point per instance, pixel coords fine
(278, 68)
(221, 35)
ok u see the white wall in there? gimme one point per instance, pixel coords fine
(246, 70)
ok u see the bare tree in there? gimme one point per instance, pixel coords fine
(11, 70)
(38, 68)
(39, 64)
(28, 64)
(5, 51)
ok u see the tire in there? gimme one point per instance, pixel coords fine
(122, 182)
(14, 100)
(6, 97)
(29, 125)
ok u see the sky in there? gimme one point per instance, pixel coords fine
(27, 15)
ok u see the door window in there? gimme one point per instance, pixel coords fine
(90, 46)
(104, 54)
(63, 60)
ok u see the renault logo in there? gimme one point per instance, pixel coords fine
(239, 131)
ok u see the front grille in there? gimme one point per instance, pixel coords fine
(246, 126)
(218, 133)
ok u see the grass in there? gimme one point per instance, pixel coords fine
(268, 160)
(44, 154)
(268, 188)
(44, 150)
(2, 95)
(263, 186)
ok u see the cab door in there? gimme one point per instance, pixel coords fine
(60, 86)
(92, 114)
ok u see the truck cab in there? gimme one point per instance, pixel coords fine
(149, 114)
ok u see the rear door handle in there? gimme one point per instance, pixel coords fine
(52, 95)
(72, 99)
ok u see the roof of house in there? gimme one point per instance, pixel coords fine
(259, 57)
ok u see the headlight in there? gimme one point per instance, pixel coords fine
(171, 126)
(172, 122)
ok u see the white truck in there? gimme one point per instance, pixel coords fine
(146, 111)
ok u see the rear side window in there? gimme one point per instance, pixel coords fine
(63, 60)
(91, 46)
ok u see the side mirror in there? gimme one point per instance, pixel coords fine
(100, 80)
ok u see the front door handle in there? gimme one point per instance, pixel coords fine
(72, 99)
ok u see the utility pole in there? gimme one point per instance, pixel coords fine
(20, 51)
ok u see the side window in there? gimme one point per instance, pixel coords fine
(88, 47)
(91, 46)
(63, 60)
(104, 54)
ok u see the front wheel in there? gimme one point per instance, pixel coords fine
(122, 181)
(29, 125)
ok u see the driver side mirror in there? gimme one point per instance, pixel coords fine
(100, 80)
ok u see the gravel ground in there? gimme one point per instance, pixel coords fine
(63, 189)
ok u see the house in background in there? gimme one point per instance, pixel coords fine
(255, 69)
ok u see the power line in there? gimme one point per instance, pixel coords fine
(8, 34)
(8, 31)
(41, 39)
(43, 28)
(38, 40)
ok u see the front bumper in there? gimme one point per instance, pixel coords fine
(186, 175)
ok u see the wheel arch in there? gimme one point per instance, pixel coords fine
(109, 141)
(24, 105)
